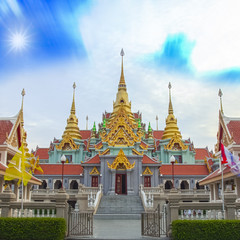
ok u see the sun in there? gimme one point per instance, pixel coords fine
(18, 41)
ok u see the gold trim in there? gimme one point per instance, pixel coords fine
(175, 144)
(67, 140)
(136, 152)
(95, 171)
(120, 161)
(105, 152)
(121, 133)
(147, 171)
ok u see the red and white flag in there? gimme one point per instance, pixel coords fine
(229, 160)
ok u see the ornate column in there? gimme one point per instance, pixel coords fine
(129, 184)
(112, 189)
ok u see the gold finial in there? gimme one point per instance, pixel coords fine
(122, 83)
(170, 108)
(171, 122)
(220, 95)
(73, 110)
(72, 128)
(157, 122)
(23, 93)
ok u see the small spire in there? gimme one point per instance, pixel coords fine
(122, 83)
(139, 123)
(73, 109)
(149, 127)
(94, 127)
(170, 108)
(157, 122)
(23, 94)
(87, 122)
(104, 123)
(220, 94)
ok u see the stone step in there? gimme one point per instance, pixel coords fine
(120, 204)
(117, 216)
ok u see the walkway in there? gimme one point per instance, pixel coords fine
(117, 229)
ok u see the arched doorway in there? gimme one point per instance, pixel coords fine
(73, 184)
(184, 185)
(168, 184)
(44, 185)
(58, 184)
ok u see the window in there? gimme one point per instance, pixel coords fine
(94, 181)
(178, 158)
(147, 181)
(68, 158)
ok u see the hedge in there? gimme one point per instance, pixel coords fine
(32, 228)
(206, 229)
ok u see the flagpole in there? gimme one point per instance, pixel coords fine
(22, 199)
(222, 195)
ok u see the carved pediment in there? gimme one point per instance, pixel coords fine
(67, 144)
(121, 162)
(175, 144)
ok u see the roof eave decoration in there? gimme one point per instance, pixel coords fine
(106, 152)
(121, 132)
(147, 171)
(136, 152)
(175, 144)
(121, 160)
(64, 143)
(144, 146)
(95, 171)
(98, 146)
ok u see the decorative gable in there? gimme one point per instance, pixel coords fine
(147, 171)
(67, 143)
(121, 162)
(175, 144)
(95, 171)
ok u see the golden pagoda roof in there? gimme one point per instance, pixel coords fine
(171, 128)
(122, 95)
(72, 128)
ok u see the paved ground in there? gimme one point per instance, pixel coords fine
(117, 229)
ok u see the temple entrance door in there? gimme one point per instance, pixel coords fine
(121, 184)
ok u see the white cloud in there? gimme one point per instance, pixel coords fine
(140, 27)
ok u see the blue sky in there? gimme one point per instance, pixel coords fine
(45, 46)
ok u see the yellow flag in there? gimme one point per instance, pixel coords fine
(17, 168)
(13, 171)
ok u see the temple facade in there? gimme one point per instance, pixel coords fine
(123, 153)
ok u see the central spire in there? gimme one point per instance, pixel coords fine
(122, 95)
(171, 128)
(122, 83)
(170, 107)
(72, 128)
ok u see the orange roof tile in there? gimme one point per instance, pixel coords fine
(5, 127)
(42, 153)
(234, 130)
(217, 174)
(183, 169)
(56, 169)
(85, 134)
(201, 153)
(147, 160)
(158, 134)
(93, 160)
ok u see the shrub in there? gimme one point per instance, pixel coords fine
(206, 229)
(32, 228)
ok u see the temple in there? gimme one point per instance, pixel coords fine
(123, 153)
